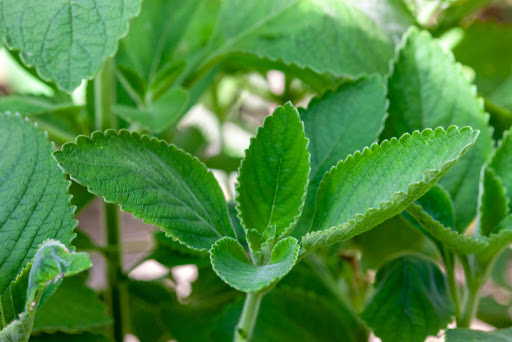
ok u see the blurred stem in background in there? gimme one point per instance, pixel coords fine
(104, 95)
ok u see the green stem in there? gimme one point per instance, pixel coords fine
(104, 96)
(245, 327)
(471, 306)
(449, 262)
(3, 322)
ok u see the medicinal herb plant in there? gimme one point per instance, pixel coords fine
(374, 195)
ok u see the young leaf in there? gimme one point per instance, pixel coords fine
(274, 174)
(52, 262)
(411, 300)
(153, 180)
(501, 163)
(230, 262)
(428, 89)
(160, 114)
(370, 187)
(83, 313)
(492, 204)
(278, 31)
(337, 124)
(65, 41)
(467, 335)
(34, 202)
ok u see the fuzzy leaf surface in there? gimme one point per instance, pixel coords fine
(428, 89)
(52, 262)
(277, 31)
(374, 185)
(34, 202)
(468, 335)
(33, 105)
(274, 174)
(337, 124)
(493, 203)
(66, 41)
(153, 180)
(501, 162)
(230, 262)
(411, 300)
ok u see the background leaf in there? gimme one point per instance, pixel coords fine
(34, 202)
(274, 174)
(153, 180)
(370, 187)
(427, 89)
(467, 335)
(411, 300)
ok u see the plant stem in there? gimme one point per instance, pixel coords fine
(471, 306)
(104, 118)
(245, 327)
(3, 323)
(449, 262)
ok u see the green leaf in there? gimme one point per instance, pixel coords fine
(278, 31)
(52, 262)
(337, 124)
(171, 253)
(494, 313)
(457, 242)
(467, 335)
(230, 262)
(411, 300)
(428, 89)
(484, 48)
(33, 105)
(296, 315)
(394, 16)
(160, 114)
(374, 185)
(34, 202)
(497, 241)
(274, 174)
(493, 203)
(153, 180)
(73, 307)
(501, 162)
(86, 337)
(438, 204)
(66, 41)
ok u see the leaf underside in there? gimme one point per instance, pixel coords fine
(153, 180)
(374, 185)
(230, 262)
(34, 202)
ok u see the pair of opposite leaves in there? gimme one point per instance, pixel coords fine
(169, 188)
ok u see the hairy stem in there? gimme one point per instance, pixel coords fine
(104, 118)
(449, 262)
(245, 327)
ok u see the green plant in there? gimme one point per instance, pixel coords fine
(375, 197)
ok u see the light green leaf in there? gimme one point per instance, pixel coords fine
(392, 15)
(153, 180)
(73, 307)
(411, 300)
(274, 174)
(501, 163)
(457, 242)
(33, 105)
(337, 124)
(34, 202)
(278, 31)
(230, 262)
(374, 185)
(428, 89)
(484, 48)
(53, 261)
(467, 335)
(66, 41)
(296, 315)
(493, 203)
(158, 115)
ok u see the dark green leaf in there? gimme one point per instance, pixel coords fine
(493, 203)
(66, 41)
(374, 185)
(153, 180)
(411, 300)
(34, 202)
(467, 335)
(496, 314)
(501, 163)
(337, 124)
(86, 337)
(428, 89)
(274, 174)
(230, 262)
